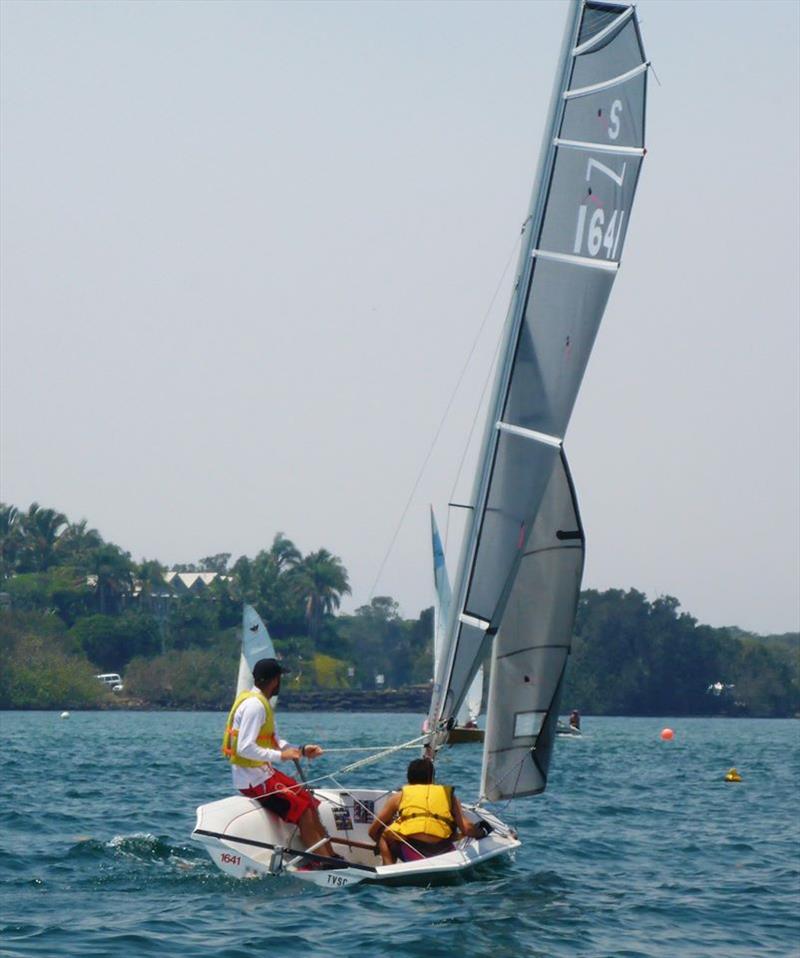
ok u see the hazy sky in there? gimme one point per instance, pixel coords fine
(247, 248)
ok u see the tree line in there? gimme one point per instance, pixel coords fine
(73, 605)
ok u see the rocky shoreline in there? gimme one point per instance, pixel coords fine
(415, 698)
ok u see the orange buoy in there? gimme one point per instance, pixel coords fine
(667, 734)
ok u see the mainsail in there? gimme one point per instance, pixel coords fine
(575, 235)
(256, 644)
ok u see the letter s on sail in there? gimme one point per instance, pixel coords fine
(613, 119)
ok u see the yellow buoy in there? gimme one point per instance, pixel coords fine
(732, 775)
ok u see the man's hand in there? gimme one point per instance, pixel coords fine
(289, 753)
(312, 751)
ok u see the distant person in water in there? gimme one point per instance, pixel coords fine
(420, 820)
(575, 720)
(251, 745)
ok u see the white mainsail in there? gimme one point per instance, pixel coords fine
(508, 576)
(256, 644)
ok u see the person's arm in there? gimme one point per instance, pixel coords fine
(466, 828)
(384, 817)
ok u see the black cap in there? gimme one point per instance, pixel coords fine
(266, 669)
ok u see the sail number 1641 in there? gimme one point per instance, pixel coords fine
(592, 232)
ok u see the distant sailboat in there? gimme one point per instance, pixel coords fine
(256, 644)
(519, 574)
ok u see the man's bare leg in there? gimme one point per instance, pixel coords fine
(311, 831)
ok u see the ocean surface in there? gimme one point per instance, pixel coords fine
(638, 848)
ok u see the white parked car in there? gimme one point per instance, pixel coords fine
(112, 679)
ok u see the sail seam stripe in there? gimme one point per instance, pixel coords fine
(606, 264)
(536, 552)
(606, 84)
(531, 648)
(599, 147)
(592, 42)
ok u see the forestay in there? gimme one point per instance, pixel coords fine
(575, 235)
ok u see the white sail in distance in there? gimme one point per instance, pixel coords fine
(256, 644)
(574, 239)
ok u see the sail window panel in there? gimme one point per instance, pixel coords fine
(591, 195)
(620, 52)
(528, 724)
(614, 116)
(564, 310)
(519, 476)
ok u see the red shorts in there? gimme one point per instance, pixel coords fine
(283, 796)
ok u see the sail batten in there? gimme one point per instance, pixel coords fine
(596, 147)
(582, 261)
(607, 84)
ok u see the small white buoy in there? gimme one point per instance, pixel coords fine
(65, 715)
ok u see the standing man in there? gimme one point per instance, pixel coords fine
(251, 745)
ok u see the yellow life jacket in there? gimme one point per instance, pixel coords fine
(266, 734)
(427, 809)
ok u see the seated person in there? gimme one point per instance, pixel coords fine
(421, 820)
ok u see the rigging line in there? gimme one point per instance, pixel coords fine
(362, 748)
(369, 760)
(487, 380)
(445, 414)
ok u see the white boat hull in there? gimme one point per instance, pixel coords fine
(246, 841)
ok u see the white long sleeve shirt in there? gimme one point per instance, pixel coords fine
(248, 719)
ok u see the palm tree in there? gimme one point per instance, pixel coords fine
(284, 553)
(77, 542)
(9, 539)
(323, 580)
(114, 571)
(41, 530)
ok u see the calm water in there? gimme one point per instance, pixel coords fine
(638, 847)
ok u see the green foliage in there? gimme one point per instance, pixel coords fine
(61, 590)
(378, 642)
(329, 673)
(634, 657)
(193, 622)
(110, 642)
(39, 667)
(192, 678)
(84, 599)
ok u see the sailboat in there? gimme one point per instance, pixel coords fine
(518, 577)
(466, 726)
